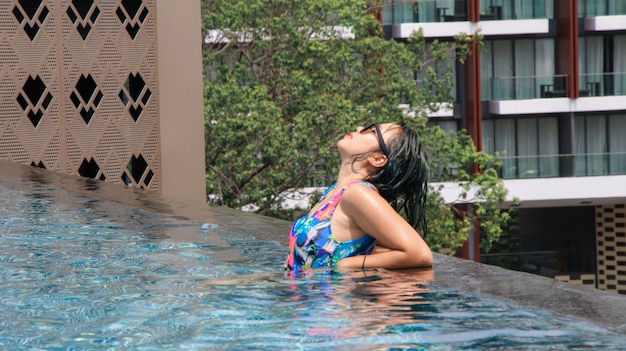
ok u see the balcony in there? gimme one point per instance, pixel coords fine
(595, 8)
(602, 84)
(448, 18)
(431, 11)
(548, 94)
(426, 11)
(512, 10)
(531, 87)
(574, 165)
(603, 15)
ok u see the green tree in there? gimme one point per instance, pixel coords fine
(286, 78)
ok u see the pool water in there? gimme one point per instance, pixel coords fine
(82, 273)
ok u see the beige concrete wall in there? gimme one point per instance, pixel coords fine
(105, 90)
(181, 107)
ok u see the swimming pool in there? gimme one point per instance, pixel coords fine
(79, 272)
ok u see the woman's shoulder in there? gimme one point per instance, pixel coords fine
(361, 192)
(362, 204)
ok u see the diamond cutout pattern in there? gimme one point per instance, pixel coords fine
(31, 15)
(135, 171)
(86, 97)
(132, 13)
(90, 169)
(38, 165)
(62, 61)
(86, 12)
(34, 99)
(135, 95)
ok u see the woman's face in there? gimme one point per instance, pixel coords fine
(365, 140)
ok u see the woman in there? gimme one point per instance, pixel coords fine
(356, 224)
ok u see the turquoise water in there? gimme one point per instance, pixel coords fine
(81, 273)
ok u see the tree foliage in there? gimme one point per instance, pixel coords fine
(285, 79)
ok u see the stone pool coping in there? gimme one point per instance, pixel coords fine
(601, 308)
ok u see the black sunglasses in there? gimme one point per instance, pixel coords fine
(381, 141)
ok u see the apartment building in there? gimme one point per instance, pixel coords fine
(547, 93)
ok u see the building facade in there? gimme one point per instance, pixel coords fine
(105, 89)
(546, 92)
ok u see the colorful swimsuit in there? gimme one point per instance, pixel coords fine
(311, 243)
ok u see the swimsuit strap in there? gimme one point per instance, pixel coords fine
(331, 205)
(367, 184)
(335, 200)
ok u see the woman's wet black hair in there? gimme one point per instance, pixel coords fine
(403, 181)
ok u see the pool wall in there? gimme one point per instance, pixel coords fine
(587, 304)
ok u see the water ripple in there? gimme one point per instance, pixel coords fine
(87, 274)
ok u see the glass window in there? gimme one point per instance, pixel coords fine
(549, 9)
(602, 65)
(619, 63)
(528, 147)
(504, 139)
(596, 144)
(403, 12)
(600, 145)
(591, 65)
(524, 69)
(617, 144)
(591, 145)
(503, 87)
(617, 7)
(591, 8)
(517, 9)
(486, 71)
(518, 69)
(548, 137)
(387, 14)
(544, 64)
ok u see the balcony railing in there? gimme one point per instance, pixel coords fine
(593, 8)
(426, 11)
(534, 87)
(574, 165)
(531, 87)
(512, 9)
(603, 84)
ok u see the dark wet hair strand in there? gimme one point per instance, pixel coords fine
(403, 181)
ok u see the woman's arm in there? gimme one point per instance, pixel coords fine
(405, 248)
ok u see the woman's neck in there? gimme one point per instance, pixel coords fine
(347, 174)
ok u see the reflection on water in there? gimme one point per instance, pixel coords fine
(383, 301)
(361, 310)
(79, 272)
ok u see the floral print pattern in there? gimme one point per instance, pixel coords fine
(311, 243)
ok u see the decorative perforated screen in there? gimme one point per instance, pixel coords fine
(78, 88)
(611, 247)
